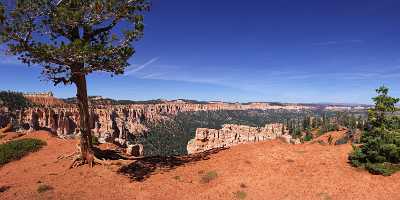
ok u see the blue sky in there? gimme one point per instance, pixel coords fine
(255, 50)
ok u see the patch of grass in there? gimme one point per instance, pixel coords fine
(177, 178)
(44, 188)
(209, 176)
(240, 195)
(16, 149)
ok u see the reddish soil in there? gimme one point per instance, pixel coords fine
(268, 170)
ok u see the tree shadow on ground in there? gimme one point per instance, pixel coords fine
(145, 167)
(108, 154)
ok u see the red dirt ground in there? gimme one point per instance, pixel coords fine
(268, 170)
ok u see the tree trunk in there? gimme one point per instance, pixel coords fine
(83, 105)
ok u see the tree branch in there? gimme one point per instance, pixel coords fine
(93, 33)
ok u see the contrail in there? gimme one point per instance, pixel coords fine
(132, 71)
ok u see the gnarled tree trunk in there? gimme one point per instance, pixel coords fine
(83, 105)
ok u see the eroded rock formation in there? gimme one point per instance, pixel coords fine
(117, 123)
(231, 134)
(112, 123)
(45, 98)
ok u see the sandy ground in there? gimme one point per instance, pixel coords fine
(268, 170)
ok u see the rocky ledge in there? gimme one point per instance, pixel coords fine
(231, 134)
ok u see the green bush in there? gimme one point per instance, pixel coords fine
(308, 137)
(16, 149)
(380, 149)
(357, 157)
(95, 140)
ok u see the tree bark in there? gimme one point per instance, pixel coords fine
(83, 105)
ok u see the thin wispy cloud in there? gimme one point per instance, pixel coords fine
(371, 75)
(355, 41)
(200, 76)
(263, 81)
(152, 76)
(177, 73)
(327, 43)
(197, 78)
(186, 74)
(140, 67)
(393, 72)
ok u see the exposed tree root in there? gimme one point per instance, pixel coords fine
(91, 160)
(112, 162)
(124, 157)
(67, 156)
(79, 162)
(76, 163)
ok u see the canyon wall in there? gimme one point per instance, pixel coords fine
(109, 123)
(231, 134)
(119, 120)
(116, 123)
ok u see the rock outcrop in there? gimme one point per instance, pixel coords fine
(108, 123)
(44, 99)
(231, 134)
(289, 139)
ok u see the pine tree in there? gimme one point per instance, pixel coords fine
(70, 39)
(380, 150)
